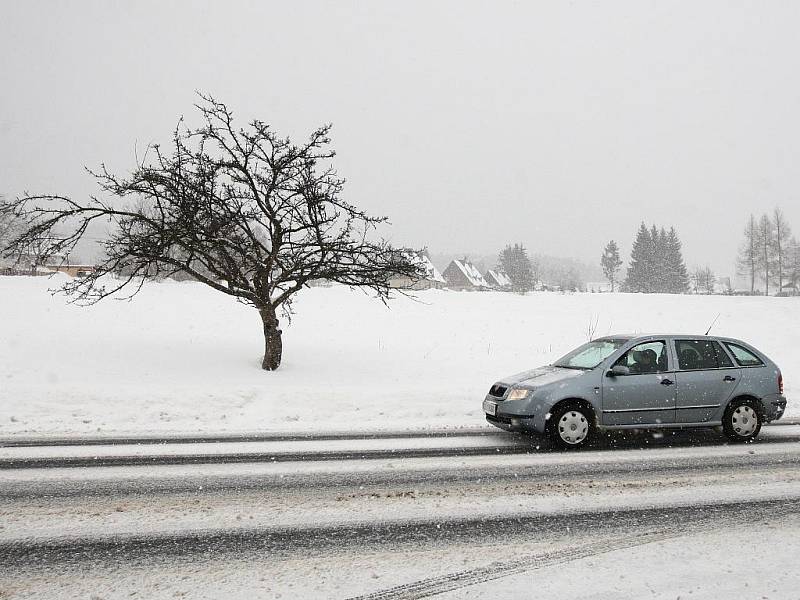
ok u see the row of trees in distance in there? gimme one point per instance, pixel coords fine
(531, 272)
(769, 254)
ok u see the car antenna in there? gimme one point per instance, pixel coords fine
(712, 324)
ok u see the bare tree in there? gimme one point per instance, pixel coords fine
(242, 210)
(31, 255)
(704, 280)
(748, 260)
(6, 226)
(780, 243)
(765, 234)
(793, 255)
(591, 327)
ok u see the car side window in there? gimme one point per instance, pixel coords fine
(650, 357)
(696, 355)
(744, 357)
(722, 357)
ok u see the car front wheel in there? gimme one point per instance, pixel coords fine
(571, 426)
(741, 421)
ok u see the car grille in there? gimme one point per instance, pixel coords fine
(498, 391)
(500, 419)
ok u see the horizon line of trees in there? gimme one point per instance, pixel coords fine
(769, 253)
(529, 273)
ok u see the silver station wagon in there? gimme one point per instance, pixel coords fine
(642, 382)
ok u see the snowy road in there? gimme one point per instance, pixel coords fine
(475, 514)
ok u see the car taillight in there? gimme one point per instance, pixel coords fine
(780, 382)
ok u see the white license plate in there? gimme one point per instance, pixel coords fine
(490, 408)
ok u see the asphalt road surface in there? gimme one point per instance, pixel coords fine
(392, 515)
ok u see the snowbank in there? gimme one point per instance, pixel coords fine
(182, 357)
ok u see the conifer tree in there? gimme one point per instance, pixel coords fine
(611, 262)
(675, 268)
(514, 262)
(661, 281)
(640, 271)
(657, 262)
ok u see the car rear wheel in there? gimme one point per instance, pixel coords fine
(741, 421)
(571, 426)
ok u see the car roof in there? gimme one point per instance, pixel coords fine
(646, 336)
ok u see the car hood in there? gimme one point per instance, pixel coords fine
(543, 376)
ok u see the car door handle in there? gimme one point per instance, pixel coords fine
(667, 382)
(728, 378)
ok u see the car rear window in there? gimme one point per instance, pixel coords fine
(744, 357)
(722, 356)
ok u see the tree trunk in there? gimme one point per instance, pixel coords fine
(273, 345)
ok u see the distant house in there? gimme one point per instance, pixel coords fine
(598, 286)
(30, 264)
(463, 275)
(72, 270)
(431, 279)
(497, 280)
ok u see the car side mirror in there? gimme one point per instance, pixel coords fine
(618, 370)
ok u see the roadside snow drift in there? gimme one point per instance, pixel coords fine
(182, 357)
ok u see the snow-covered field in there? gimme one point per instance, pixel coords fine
(182, 357)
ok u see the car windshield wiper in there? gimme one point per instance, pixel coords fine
(573, 367)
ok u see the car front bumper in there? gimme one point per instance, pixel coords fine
(506, 415)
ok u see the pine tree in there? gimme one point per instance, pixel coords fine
(514, 262)
(661, 276)
(676, 275)
(640, 271)
(611, 262)
(747, 262)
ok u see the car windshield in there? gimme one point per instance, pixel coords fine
(589, 355)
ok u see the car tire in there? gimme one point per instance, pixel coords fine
(571, 426)
(742, 420)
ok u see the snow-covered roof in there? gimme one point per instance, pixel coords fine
(471, 273)
(431, 272)
(498, 278)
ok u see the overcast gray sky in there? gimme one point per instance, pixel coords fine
(471, 124)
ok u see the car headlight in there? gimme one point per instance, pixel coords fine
(518, 394)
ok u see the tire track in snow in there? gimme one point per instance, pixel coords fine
(16, 457)
(14, 441)
(706, 517)
(312, 436)
(60, 462)
(190, 543)
(288, 477)
(497, 570)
